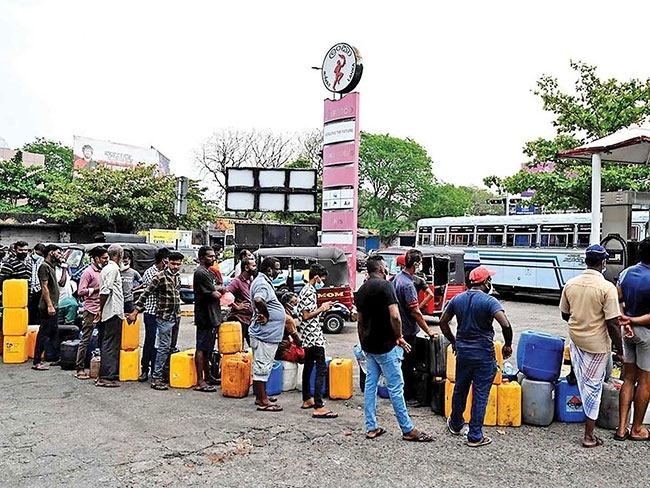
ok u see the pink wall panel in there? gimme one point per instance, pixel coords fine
(339, 176)
(339, 220)
(345, 108)
(347, 152)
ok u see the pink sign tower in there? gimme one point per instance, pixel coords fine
(341, 72)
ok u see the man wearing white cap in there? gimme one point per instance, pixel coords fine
(476, 365)
(589, 304)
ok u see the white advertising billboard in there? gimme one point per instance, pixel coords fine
(91, 153)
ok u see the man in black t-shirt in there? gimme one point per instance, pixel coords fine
(380, 334)
(207, 317)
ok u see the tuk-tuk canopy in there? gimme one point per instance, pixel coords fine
(299, 258)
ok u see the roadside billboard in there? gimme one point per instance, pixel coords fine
(91, 153)
(168, 236)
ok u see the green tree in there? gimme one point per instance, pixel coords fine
(394, 174)
(17, 182)
(57, 170)
(126, 201)
(442, 200)
(596, 109)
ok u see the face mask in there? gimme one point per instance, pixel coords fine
(604, 269)
(21, 256)
(174, 273)
(490, 290)
(318, 285)
(294, 311)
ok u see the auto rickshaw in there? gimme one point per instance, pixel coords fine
(297, 260)
(442, 268)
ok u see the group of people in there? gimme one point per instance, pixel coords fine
(388, 321)
(599, 314)
(389, 317)
(273, 334)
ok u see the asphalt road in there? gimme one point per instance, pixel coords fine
(58, 431)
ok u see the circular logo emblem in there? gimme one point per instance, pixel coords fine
(342, 68)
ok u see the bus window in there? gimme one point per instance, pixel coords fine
(459, 240)
(490, 239)
(557, 240)
(439, 240)
(521, 240)
(583, 240)
(425, 239)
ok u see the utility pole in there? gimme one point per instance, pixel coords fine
(180, 204)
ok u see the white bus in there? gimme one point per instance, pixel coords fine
(528, 252)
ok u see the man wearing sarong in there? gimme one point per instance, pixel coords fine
(589, 304)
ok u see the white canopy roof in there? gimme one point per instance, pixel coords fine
(625, 146)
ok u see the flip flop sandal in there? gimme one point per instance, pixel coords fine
(623, 437)
(104, 384)
(269, 408)
(421, 437)
(483, 442)
(302, 407)
(597, 442)
(40, 367)
(207, 389)
(377, 432)
(159, 386)
(639, 439)
(327, 415)
(82, 376)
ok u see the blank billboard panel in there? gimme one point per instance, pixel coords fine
(270, 178)
(302, 203)
(240, 201)
(272, 202)
(241, 177)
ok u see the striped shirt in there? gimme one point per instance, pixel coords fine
(17, 270)
(166, 287)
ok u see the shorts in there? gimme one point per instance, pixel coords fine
(637, 349)
(263, 358)
(205, 339)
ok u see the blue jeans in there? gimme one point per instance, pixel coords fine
(164, 329)
(479, 373)
(148, 361)
(390, 364)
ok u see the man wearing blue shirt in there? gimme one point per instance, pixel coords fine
(476, 364)
(412, 320)
(266, 330)
(634, 297)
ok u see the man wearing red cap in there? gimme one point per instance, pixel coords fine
(412, 320)
(476, 364)
(419, 282)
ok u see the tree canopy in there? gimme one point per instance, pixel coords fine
(126, 201)
(597, 108)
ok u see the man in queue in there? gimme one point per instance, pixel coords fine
(166, 287)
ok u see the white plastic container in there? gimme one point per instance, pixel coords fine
(289, 375)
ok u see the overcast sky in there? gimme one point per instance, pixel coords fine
(455, 76)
